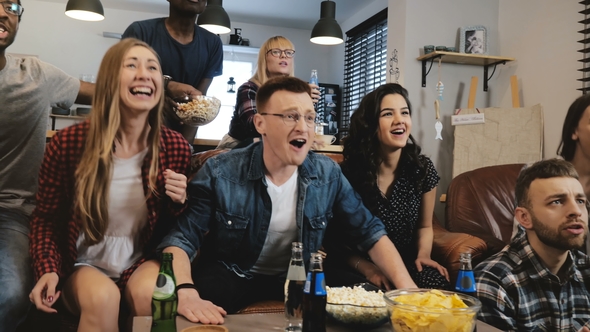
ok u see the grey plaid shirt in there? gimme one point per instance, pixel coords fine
(518, 293)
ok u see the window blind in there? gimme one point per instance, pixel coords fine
(585, 50)
(365, 64)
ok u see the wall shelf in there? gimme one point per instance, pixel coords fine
(463, 59)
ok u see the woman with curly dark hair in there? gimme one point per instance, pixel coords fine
(398, 184)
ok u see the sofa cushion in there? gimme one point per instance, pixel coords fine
(481, 203)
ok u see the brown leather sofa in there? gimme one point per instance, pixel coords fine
(481, 203)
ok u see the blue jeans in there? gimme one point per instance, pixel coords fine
(16, 273)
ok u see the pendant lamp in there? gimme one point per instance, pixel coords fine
(85, 10)
(327, 31)
(214, 18)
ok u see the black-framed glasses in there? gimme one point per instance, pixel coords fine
(276, 52)
(12, 8)
(291, 118)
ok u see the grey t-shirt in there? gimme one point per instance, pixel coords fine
(29, 88)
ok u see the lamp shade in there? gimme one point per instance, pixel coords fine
(327, 31)
(85, 10)
(214, 18)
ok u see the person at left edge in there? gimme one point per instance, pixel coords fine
(191, 55)
(28, 88)
(103, 184)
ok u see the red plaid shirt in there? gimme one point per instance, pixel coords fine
(55, 226)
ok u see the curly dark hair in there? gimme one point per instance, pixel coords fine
(567, 146)
(362, 146)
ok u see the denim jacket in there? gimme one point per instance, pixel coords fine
(229, 202)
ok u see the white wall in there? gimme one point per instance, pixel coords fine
(308, 55)
(541, 35)
(77, 46)
(437, 22)
(74, 46)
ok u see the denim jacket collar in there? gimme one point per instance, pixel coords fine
(307, 170)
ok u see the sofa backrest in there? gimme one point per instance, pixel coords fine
(481, 202)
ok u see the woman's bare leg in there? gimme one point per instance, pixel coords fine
(140, 288)
(95, 297)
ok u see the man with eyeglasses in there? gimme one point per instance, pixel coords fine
(29, 87)
(254, 202)
(190, 55)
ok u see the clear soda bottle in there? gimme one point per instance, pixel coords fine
(314, 77)
(465, 279)
(314, 297)
(294, 289)
(164, 299)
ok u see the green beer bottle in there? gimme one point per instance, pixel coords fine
(164, 299)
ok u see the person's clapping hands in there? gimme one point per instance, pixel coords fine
(175, 186)
(197, 310)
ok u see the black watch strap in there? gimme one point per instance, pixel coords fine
(186, 285)
(167, 80)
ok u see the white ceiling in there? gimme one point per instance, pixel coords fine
(299, 14)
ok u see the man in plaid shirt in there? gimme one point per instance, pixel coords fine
(538, 282)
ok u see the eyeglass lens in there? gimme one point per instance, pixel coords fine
(276, 52)
(12, 8)
(292, 118)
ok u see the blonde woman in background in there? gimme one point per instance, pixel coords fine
(102, 187)
(275, 58)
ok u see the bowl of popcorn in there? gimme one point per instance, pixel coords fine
(431, 310)
(197, 111)
(359, 307)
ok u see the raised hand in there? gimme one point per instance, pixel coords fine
(175, 186)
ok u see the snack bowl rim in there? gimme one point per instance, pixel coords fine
(189, 119)
(358, 305)
(422, 309)
(373, 324)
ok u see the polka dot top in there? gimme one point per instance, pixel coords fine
(401, 211)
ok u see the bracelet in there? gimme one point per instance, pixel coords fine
(357, 264)
(185, 285)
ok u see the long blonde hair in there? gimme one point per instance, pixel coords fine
(93, 175)
(261, 75)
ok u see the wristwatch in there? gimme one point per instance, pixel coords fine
(167, 79)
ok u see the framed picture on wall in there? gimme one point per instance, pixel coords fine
(473, 40)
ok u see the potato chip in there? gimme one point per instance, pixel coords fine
(431, 311)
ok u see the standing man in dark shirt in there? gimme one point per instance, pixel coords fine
(191, 55)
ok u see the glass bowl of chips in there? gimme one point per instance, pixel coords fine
(430, 310)
(197, 111)
(360, 307)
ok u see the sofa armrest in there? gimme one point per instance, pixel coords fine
(448, 246)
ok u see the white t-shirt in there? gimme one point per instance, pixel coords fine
(282, 231)
(127, 216)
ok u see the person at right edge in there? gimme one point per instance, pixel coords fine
(253, 202)
(189, 54)
(538, 281)
(575, 142)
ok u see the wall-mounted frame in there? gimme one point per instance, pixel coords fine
(473, 40)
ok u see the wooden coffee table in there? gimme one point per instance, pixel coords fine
(266, 322)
